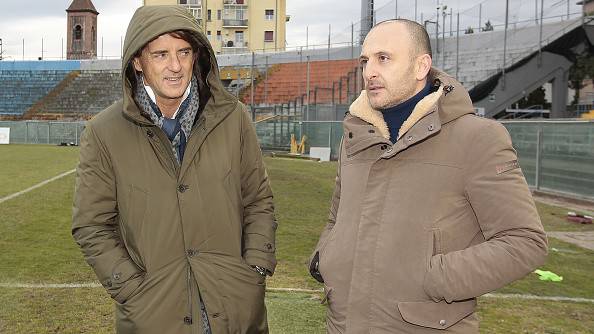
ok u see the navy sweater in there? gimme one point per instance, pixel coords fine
(397, 115)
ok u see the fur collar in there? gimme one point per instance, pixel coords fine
(362, 109)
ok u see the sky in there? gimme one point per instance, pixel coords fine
(45, 22)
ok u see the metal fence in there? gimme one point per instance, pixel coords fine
(554, 155)
(43, 132)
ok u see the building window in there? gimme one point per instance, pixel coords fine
(239, 2)
(208, 15)
(208, 35)
(239, 39)
(269, 36)
(269, 14)
(219, 37)
(77, 32)
(94, 33)
(219, 14)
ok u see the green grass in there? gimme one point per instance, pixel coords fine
(26, 165)
(499, 316)
(36, 246)
(575, 264)
(302, 191)
(90, 310)
(553, 219)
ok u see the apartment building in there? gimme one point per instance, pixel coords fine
(238, 26)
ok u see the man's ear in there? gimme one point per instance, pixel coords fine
(424, 63)
(137, 65)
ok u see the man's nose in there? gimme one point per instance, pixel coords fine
(369, 71)
(174, 63)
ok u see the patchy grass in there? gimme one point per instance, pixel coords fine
(26, 165)
(502, 316)
(574, 263)
(553, 219)
(302, 192)
(36, 246)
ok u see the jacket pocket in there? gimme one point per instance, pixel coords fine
(131, 227)
(441, 315)
(126, 278)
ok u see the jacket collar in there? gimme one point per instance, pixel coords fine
(458, 103)
(363, 110)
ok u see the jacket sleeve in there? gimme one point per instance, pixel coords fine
(95, 221)
(515, 240)
(314, 261)
(259, 223)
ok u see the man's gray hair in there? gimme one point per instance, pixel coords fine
(418, 36)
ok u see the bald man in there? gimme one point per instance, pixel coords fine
(430, 208)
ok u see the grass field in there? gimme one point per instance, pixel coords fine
(36, 247)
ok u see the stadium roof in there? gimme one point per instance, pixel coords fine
(82, 6)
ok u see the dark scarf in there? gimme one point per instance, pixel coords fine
(177, 129)
(398, 114)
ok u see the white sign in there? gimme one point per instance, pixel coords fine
(4, 135)
(323, 153)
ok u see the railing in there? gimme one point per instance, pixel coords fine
(44, 132)
(556, 155)
(228, 23)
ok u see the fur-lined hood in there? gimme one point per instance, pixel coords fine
(456, 104)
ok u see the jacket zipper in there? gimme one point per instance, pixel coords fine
(189, 320)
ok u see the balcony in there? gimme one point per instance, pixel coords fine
(235, 3)
(235, 23)
(231, 47)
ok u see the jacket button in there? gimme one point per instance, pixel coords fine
(150, 133)
(108, 283)
(350, 135)
(268, 246)
(188, 320)
(409, 138)
(389, 150)
(372, 131)
(182, 188)
(215, 315)
(442, 322)
(431, 127)
(192, 252)
(383, 147)
(116, 276)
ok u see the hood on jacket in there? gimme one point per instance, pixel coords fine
(150, 22)
(448, 97)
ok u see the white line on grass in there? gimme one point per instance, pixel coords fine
(97, 285)
(41, 184)
(533, 297)
(49, 285)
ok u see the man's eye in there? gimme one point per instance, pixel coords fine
(185, 53)
(363, 61)
(383, 58)
(160, 56)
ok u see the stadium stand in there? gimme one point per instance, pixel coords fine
(21, 88)
(83, 94)
(288, 81)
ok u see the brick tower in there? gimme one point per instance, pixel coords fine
(82, 30)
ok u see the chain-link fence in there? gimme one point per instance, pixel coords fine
(43, 132)
(554, 155)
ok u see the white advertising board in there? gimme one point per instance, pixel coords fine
(4, 135)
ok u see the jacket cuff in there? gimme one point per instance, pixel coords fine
(433, 281)
(261, 259)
